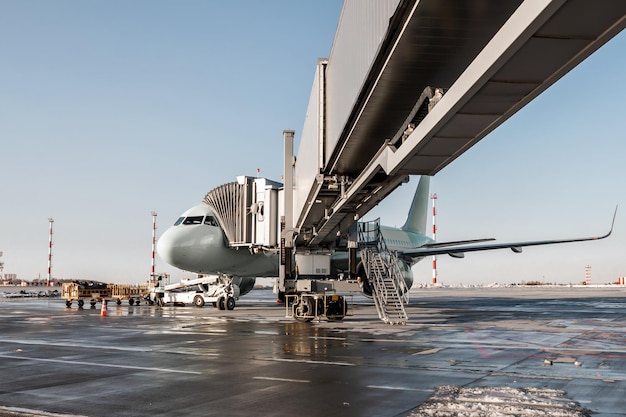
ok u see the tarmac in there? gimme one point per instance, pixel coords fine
(473, 352)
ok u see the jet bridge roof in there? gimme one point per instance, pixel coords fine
(490, 59)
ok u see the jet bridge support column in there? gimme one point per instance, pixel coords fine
(353, 246)
(287, 229)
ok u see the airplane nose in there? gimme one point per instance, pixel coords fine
(188, 247)
(166, 247)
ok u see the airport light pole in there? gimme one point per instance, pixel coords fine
(51, 221)
(154, 215)
(433, 197)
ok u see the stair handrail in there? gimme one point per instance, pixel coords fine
(382, 266)
(373, 278)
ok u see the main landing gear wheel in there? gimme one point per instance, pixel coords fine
(198, 300)
(230, 303)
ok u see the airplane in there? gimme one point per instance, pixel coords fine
(197, 243)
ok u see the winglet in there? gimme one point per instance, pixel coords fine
(612, 224)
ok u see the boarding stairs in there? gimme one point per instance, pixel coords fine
(383, 274)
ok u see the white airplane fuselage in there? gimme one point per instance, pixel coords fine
(196, 243)
(202, 248)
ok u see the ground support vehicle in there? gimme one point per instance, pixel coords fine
(80, 291)
(306, 307)
(133, 293)
(219, 291)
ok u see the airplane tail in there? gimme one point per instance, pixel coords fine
(418, 215)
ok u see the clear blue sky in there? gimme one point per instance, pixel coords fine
(112, 109)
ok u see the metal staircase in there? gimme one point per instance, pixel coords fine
(383, 274)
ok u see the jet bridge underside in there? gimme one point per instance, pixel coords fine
(394, 131)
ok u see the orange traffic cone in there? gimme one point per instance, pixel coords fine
(103, 311)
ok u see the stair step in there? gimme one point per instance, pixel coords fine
(385, 286)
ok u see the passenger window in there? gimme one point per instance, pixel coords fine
(193, 220)
(179, 221)
(210, 220)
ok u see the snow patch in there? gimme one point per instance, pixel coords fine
(450, 401)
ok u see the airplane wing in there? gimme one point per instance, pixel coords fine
(459, 251)
(456, 243)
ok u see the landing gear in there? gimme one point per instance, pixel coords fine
(225, 303)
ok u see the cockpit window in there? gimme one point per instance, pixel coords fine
(179, 221)
(193, 220)
(210, 220)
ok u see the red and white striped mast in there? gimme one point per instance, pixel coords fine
(433, 197)
(152, 275)
(50, 220)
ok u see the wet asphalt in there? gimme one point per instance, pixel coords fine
(253, 361)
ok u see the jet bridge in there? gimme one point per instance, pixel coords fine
(429, 80)
(248, 211)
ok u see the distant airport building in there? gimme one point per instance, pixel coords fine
(9, 279)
